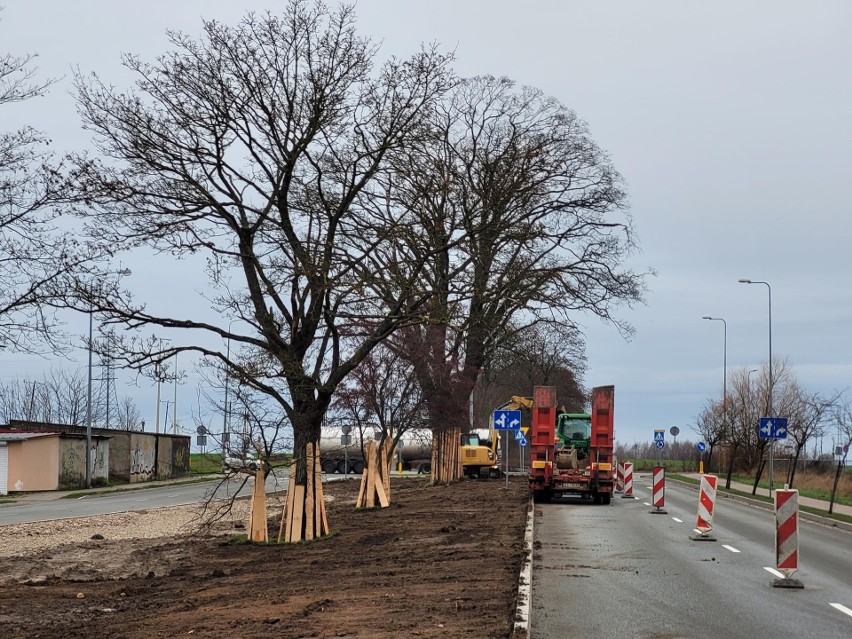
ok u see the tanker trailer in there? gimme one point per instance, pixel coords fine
(340, 445)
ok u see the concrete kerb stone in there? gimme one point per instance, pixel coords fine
(522, 609)
(765, 505)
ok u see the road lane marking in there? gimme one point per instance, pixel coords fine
(842, 608)
(731, 548)
(772, 571)
(680, 521)
(646, 503)
(649, 487)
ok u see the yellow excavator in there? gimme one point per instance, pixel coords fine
(480, 447)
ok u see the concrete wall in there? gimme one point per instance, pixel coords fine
(130, 452)
(72, 462)
(33, 464)
(142, 456)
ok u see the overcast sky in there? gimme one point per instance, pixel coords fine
(729, 120)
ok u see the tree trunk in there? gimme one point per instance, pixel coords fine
(834, 486)
(792, 474)
(446, 459)
(304, 517)
(733, 452)
(757, 475)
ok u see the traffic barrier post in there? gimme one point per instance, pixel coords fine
(619, 477)
(706, 506)
(628, 481)
(787, 537)
(659, 491)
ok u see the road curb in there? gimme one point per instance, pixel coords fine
(522, 610)
(757, 503)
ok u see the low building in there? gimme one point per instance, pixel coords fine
(133, 456)
(52, 461)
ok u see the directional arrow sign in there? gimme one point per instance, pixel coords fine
(772, 428)
(660, 443)
(507, 419)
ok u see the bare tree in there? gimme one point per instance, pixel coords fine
(843, 420)
(525, 215)
(256, 147)
(381, 395)
(807, 415)
(539, 355)
(127, 415)
(711, 425)
(33, 252)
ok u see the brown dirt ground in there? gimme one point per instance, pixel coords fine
(441, 561)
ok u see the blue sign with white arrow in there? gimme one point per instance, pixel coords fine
(772, 428)
(507, 419)
(701, 446)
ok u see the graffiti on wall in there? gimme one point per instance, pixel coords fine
(141, 463)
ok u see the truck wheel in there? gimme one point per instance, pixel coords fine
(597, 499)
(358, 467)
(328, 466)
(606, 498)
(424, 469)
(542, 496)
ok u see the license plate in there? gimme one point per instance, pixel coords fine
(574, 485)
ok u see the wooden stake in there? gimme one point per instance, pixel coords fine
(287, 513)
(309, 493)
(258, 526)
(298, 512)
(319, 499)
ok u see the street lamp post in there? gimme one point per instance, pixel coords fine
(724, 370)
(89, 412)
(769, 400)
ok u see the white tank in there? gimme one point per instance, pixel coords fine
(414, 444)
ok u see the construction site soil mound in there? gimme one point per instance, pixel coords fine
(441, 561)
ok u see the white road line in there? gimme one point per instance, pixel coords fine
(649, 487)
(731, 548)
(680, 521)
(842, 608)
(646, 503)
(772, 571)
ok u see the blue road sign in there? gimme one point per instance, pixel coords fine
(507, 419)
(772, 428)
(701, 446)
(522, 441)
(660, 443)
(659, 436)
(519, 435)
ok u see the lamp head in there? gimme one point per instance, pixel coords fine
(742, 280)
(706, 317)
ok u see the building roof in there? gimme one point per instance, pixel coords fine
(19, 435)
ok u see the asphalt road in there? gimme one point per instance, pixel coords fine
(42, 508)
(620, 571)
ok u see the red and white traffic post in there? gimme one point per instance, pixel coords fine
(628, 481)
(659, 491)
(619, 477)
(706, 506)
(787, 537)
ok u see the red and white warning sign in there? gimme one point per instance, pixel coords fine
(619, 477)
(787, 531)
(628, 480)
(659, 487)
(706, 504)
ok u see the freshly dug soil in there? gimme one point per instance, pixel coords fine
(441, 561)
